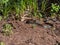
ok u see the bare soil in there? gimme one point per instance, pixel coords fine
(24, 34)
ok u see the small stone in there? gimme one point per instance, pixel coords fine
(31, 44)
(47, 26)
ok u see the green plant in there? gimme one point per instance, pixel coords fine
(3, 1)
(35, 7)
(3, 7)
(18, 6)
(40, 15)
(2, 43)
(6, 10)
(43, 5)
(22, 6)
(0, 18)
(43, 8)
(7, 29)
(55, 8)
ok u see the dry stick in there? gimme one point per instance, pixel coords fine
(25, 18)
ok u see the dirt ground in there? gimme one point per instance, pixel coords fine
(24, 34)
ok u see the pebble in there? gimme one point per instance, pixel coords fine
(46, 26)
